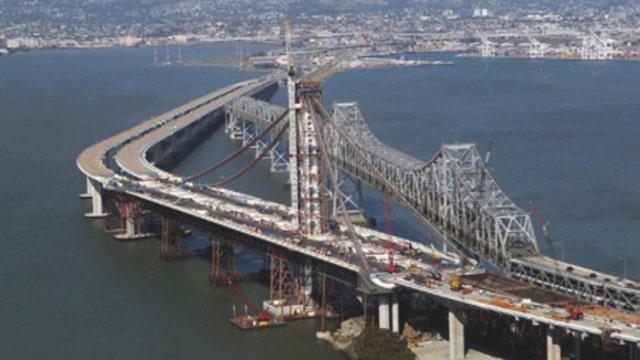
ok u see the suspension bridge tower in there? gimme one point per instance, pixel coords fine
(307, 163)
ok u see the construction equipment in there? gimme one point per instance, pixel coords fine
(575, 314)
(544, 225)
(261, 315)
(455, 283)
(488, 48)
(537, 48)
(436, 255)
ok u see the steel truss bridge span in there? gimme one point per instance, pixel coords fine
(454, 192)
(456, 195)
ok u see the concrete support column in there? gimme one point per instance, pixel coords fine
(383, 312)
(174, 143)
(87, 193)
(395, 314)
(158, 154)
(95, 190)
(130, 227)
(553, 343)
(307, 278)
(456, 335)
(577, 344)
(633, 353)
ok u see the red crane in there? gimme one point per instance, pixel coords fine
(254, 310)
(392, 267)
(544, 225)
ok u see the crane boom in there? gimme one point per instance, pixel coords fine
(545, 228)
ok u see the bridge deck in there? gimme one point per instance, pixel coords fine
(92, 161)
(131, 157)
(269, 222)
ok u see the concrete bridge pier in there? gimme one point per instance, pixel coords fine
(388, 312)
(456, 334)
(383, 312)
(307, 280)
(87, 194)
(553, 343)
(395, 314)
(130, 227)
(577, 345)
(132, 219)
(94, 190)
(632, 351)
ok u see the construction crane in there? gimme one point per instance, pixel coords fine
(537, 48)
(262, 315)
(488, 48)
(544, 225)
(596, 47)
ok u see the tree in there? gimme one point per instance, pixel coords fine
(375, 344)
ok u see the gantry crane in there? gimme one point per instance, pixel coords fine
(596, 47)
(488, 48)
(537, 48)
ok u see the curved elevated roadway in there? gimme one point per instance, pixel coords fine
(93, 160)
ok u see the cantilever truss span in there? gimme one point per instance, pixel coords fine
(456, 195)
(454, 191)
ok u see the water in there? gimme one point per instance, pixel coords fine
(565, 136)
(68, 290)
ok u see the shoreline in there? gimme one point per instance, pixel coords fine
(229, 62)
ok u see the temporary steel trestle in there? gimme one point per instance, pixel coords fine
(223, 267)
(285, 286)
(172, 247)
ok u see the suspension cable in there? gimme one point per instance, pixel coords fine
(239, 151)
(341, 204)
(380, 177)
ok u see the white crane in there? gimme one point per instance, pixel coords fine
(537, 48)
(596, 47)
(488, 48)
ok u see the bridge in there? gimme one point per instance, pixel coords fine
(454, 194)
